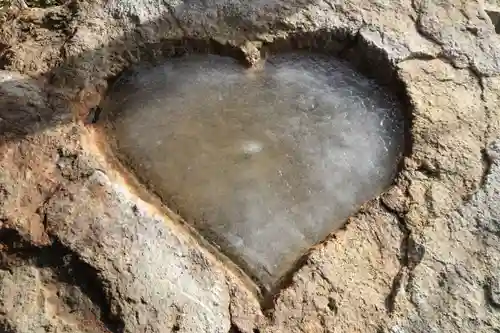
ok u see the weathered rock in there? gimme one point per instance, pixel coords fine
(26, 177)
(423, 258)
(33, 301)
(446, 290)
(155, 279)
(492, 9)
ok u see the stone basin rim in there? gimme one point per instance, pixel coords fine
(292, 44)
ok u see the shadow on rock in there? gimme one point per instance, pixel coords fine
(66, 83)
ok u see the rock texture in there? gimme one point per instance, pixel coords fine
(82, 252)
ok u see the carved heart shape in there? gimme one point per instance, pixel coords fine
(264, 163)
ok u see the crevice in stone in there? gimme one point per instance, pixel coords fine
(419, 56)
(429, 170)
(487, 163)
(234, 329)
(70, 33)
(403, 262)
(45, 3)
(478, 76)
(489, 294)
(6, 327)
(495, 19)
(390, 300)
(93, 116)
(68, 268)
(57, 188)
(411, 254)
(3, 59)
(332, 305)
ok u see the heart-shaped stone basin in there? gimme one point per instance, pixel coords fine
(264, 163)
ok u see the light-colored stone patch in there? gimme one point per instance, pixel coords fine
(167, 281)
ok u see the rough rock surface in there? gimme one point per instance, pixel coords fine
(81, 252)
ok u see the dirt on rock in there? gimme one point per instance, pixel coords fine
(85, 250)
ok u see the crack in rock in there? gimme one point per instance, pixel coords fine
(67, 269)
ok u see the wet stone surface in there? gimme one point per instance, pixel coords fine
(263, 162)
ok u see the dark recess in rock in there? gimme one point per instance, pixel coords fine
(272, 157)
(495, 19)
(492, 292)
(6, 328)
(67, 267)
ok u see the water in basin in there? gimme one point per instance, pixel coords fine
(263, 162)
